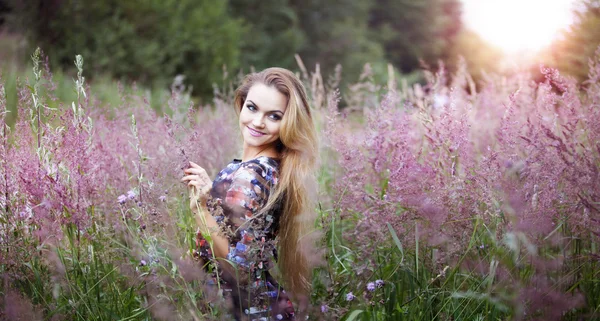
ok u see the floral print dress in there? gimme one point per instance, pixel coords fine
(238, 194)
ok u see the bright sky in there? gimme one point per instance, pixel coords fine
(518, 25)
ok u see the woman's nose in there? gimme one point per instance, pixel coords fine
(258, 121)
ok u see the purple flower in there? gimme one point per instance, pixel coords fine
(350, 296)
(482, 246)
(131, 194)
(324, 308)
(122, 199)
(379, 283)
(143, 263)
(162, 198)
(371, 286)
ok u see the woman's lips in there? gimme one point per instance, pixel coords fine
(254, 133)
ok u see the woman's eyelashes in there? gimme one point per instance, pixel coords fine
(273, 116)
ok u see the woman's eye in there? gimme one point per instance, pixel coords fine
(251, 107)
(275, 117)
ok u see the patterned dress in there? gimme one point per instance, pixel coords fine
(238, 194)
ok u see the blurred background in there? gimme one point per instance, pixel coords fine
(153, 41)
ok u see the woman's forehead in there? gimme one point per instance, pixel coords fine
(267, 97)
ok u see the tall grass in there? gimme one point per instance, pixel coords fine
(438, 201)
(467, 205)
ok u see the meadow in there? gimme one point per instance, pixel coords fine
(451, 200)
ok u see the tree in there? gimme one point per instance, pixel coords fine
(271, 34)
(337, 32)
(412, 31)
(479, 55)
(145, 40)
(577, 44)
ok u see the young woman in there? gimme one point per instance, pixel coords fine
(255, 212)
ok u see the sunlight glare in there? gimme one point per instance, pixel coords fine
(518, 25)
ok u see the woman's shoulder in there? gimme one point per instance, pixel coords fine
(265, 162)
(264, 167)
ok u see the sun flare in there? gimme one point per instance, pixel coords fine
(518, 25)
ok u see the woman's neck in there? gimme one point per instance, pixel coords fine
(249, 152)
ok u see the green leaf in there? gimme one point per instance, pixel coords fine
(354, 314)
(396, 240)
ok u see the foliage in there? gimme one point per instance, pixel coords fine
(271, 41)
(572, 51)
(337, 33)
(411, 31)
(153, 41)
(146, 41)
(480, 56)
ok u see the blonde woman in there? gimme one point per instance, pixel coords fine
(254, 212)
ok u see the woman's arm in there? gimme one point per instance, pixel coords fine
(209, 227)
(199, 184)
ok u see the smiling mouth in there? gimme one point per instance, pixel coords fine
(255, 133)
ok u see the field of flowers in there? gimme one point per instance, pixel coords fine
(445, 201)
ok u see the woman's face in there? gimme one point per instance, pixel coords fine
(261, 115)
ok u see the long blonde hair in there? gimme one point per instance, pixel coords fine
(298, 150)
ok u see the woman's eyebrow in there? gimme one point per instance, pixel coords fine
(271, 111)
(253, 103)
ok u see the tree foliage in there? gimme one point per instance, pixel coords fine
(412, 31)
(152, 41)
(271, 32)
(479, 55)
(149, 41)
(337, 33)
(577, 44)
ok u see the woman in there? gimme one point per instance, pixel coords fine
(262, 198)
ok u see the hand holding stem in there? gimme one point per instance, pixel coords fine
(199, 184)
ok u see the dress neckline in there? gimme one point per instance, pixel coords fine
(239, 160)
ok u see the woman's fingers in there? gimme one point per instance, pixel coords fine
(199, 184)
(194, 171)
(190, 177)
(197, 167)
(197, 171)
(198, 181)
(196, 178)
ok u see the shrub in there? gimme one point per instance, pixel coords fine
(146, 41)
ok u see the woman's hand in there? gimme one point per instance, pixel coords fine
(199, 184)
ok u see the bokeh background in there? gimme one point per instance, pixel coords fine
(153, 41)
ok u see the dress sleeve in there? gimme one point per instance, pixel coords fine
(248, 193)
(251, 246)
